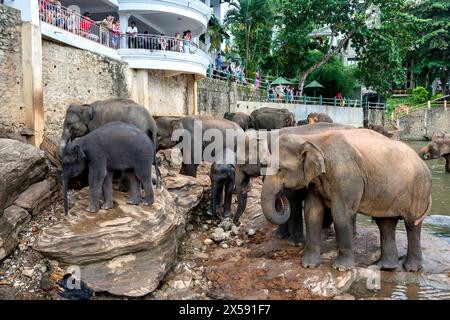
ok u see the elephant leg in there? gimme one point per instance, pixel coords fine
(189, 170)
(389, 254)
(314, 211)
(135, 198)
(145, 177)
(343, 225)
(413, 260)
(216, 189)
(124, 184)
(229, 186)
(107, 191)
(295, 222)
(97, 173)
(447, 163)
(242, 184)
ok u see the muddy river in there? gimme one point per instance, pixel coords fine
(438, 222)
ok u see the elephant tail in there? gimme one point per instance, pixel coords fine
(427, 211)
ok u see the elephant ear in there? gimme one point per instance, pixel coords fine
(87, 113)
(79, 152)
(445, 147)
(313, 161)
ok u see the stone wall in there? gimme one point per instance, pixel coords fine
(12, 113)
(215, 97)
(421, 124)
(72, 75)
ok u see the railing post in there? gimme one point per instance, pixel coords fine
(429, 104)
(320, 100)
(304, 99)
(335, 102)
(445, 105)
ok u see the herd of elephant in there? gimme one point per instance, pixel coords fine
(326, 172)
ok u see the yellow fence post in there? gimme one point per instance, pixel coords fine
(429, 104)
(445, 105)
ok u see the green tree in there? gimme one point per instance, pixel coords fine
(217, 33)
(432, 51)
(251, 23)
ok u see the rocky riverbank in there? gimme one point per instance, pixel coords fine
(206, 258)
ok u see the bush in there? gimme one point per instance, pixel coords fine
(420, 94)
(437, 96)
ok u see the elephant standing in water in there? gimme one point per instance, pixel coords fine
(82, 119)
(293, 229)
(350, 171)
(168, 125)
(439, 147)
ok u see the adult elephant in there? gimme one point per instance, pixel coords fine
(168, 125)
(245, 121)
(293, 229)
(270, 118)
(82, 119)
(438, 147)
(316, 117)
(351, 171)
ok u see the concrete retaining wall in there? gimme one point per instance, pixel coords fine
(421, 124)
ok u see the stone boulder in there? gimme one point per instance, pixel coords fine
(21, 165)
(38, 196)
(127, 250)
(10, 225)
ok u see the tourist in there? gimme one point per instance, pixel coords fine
(257, 80)
(219, 62)
(115, 34)
(177, 43)
(162, 43)
(271, 94)
(132, 32)
(187, 37)
(86, 24)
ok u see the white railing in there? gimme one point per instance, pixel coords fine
(70, 21)
(157, 43)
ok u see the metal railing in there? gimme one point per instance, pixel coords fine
(441, 102)
(157, 43)
(70, 21)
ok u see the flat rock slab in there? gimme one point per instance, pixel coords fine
(37, 197)
(10, 225)
(126, 250)
(21, 165)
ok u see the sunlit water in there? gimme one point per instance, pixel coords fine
(438, 222)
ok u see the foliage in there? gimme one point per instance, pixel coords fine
(335, 77)
(437, 96)
(432, 51)
(420, 94)
(217, 34)
(251, 23)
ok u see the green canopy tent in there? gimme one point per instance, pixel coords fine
(280, 80)
(314, 84)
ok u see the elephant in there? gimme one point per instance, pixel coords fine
(168, 125)
(380, 129)
(113, 146)
(222, 176)
(245, 121)
(438, 147)
(349, 171)
(270, 119)
(293, 229)
(82, 119)
(318, 117)
(258, 111)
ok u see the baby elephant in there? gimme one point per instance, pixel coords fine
(113, 146)
(222, 183)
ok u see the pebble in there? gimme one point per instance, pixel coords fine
(205, 227)
(28, 272)
(208, 242)
(224, 245)
(235, 230)
(239, 242)
(22, 247)
(189, 227)
(225, 225)
(251, 232)
(219, 235)
(179, 284)
(208, 221)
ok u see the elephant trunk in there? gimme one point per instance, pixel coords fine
(424, 153)
(64, 140)
(274, 202)
(65, 190)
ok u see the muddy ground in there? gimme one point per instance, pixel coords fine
(251, 263)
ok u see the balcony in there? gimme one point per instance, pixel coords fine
(169, 16)
(144, 51)
(173, 55)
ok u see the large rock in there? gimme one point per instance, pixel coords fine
(10, 225)
(21, 165)
(37, 197)
(126, 250)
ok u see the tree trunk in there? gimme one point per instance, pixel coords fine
(324, 60)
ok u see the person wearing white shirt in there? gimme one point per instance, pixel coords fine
(132, 32)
